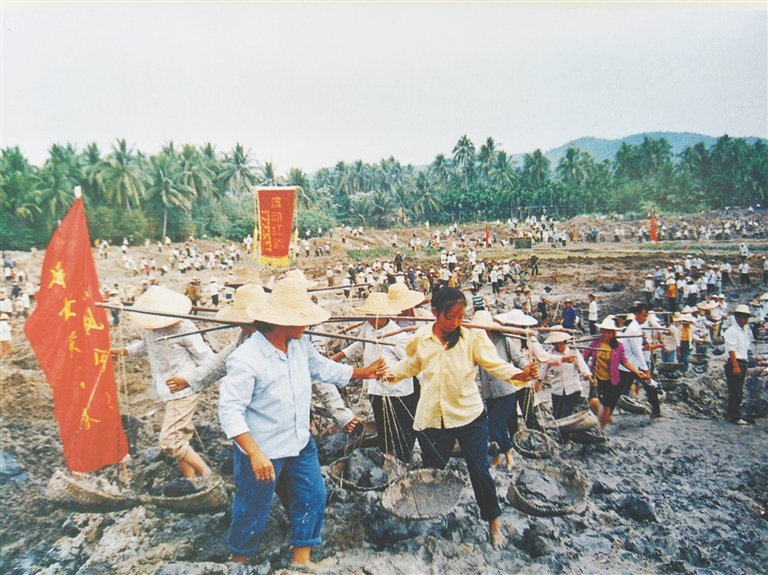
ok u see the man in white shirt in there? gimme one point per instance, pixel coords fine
(593, 314)
(633, 349)
(744, 272)
(738, 339)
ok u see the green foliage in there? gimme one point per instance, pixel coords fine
(312, 220)
(183, 191)
(385, 254)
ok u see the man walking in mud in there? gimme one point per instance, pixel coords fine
(738, 339)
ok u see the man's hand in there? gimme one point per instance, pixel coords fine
(569, 358)
(350, 427)
(591, 380)
(375, 370)
(646, 375)
(176, 383)
(262, 467)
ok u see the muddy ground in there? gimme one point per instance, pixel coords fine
(676, 495)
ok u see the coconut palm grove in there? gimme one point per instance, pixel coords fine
(204, 192)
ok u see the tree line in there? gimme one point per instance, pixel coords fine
(188, 190)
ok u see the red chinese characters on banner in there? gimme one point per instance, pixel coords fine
(275, 220)
(70, 337)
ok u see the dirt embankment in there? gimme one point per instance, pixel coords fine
(676, 495)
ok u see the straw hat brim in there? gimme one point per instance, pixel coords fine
(557, 336)
(610, 325)
(378, 303)
(159, 299)
(521, 319)
(402, 300)
(233, 314)
(273, 312)
(483, 319)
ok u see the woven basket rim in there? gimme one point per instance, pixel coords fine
(552, 509)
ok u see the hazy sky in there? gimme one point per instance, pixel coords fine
(307, 85)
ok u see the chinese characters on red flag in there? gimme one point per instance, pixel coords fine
(275, 222)
(653, 234)
(70, 337)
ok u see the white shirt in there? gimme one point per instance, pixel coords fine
(633, 346)
(370, 352)
(738, 339)
(592, 311)
(564, 378)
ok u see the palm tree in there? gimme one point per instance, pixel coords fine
(238, 172)
(426, 200)
(464, 158)
(93, 180)
(18, 198)
(196, 173)
(267, 175)
(58, 178)
(304, 195)
(167, 186)
(123, 176)
(442, 168)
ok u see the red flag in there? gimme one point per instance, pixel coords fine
(653, 236)
(487, 236)
(275, 218)
(70, 337)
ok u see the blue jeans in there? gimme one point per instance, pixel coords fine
(669, 356)
(250, 509)
(685, 352)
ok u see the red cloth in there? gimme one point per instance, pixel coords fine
(653, 236)
(487, 236)
(275, 223)
(70, 337)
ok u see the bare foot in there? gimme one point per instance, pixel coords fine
(496, 460)
(510, 461)
(498, 540)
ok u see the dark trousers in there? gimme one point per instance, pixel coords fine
(651, 393)
(685, 353)
(437, 446)
(592, 327)
(394, 423)
(525, 398)
(500, 411)
(735, 385)
(565, 405)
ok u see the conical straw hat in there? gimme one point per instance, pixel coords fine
(245, 295)
(161, 299)
(483, 319)
(377, 303)
(557, 336)
(244, 275)
(289, 304)
(401, 298)
(517, 317)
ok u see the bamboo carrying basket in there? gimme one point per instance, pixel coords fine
(589, 436)
(546, 450)
(580, 421)
(632, 405)
(571, 481)
(66, 491)
(423, 494)
(212, 498)
(394, 467)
